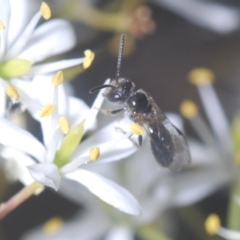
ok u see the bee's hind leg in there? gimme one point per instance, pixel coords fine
(136, 144)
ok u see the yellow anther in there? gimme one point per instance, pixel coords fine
(212, 224)
(136, 128)
(58, 78)
(47, 110)
(64, 125)
(89, 56)
(52, 226)
(188, 109)
(201, 76)
(2, 26)
(45, 11)
(94, 153)
(12, 92)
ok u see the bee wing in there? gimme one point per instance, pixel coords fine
(169, 146)
(178, 147)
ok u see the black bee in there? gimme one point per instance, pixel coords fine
(168, 144)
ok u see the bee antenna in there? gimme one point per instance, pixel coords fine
(100, 87)
(120, 54)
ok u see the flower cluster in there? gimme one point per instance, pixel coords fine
(64, 119)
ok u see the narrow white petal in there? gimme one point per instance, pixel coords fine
(216, 17)
(24, 37)
(77, 111)
(15, 137)
(46, 174)
(107, 190)
(55, 66)
(21, 13)
(5, 12)
(96, 106)
(216, 115)
(51, 38)
(74, 164)
(120, 233)
(53, 145)
(182, 192)
(15, 165)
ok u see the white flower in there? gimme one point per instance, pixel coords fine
(216, 17)
(62, 121)
(24, 43)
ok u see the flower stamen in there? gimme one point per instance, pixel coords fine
(46, 110)
(45, 11)
(58, 78)
(12, 92)
(212, 224)
(189, 109)
(89, 56)
(94, 153)
(52, 226)
(64, 124)
(201, 76)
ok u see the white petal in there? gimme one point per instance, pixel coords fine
(55, 66)
(78, 110)
(46, 174)
(5, 12)
(74, 164)
(23, 38)
(120, 233)
(15, 137)
(96, 106)
(21, 13)
(107, 190)
(53, 145)
(216, 17)
(188, 188)
(49, 39)
(15, 165)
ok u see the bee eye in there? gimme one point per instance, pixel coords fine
(114, 97)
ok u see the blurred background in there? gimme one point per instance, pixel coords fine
(165, 40)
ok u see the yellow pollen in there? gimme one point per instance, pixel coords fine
(58, 78)
(2, 26)
(94, 153)
(47, 110)
(89, 56)
(52, 226)
(136, 128)
(12, 92)
(188, 109)
(212, 224)
(45, 11)
(64, 125)
(201, 76)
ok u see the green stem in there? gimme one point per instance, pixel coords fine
(20, 197)
(233, 220)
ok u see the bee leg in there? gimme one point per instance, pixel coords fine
(111, 112)
(140, 139)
